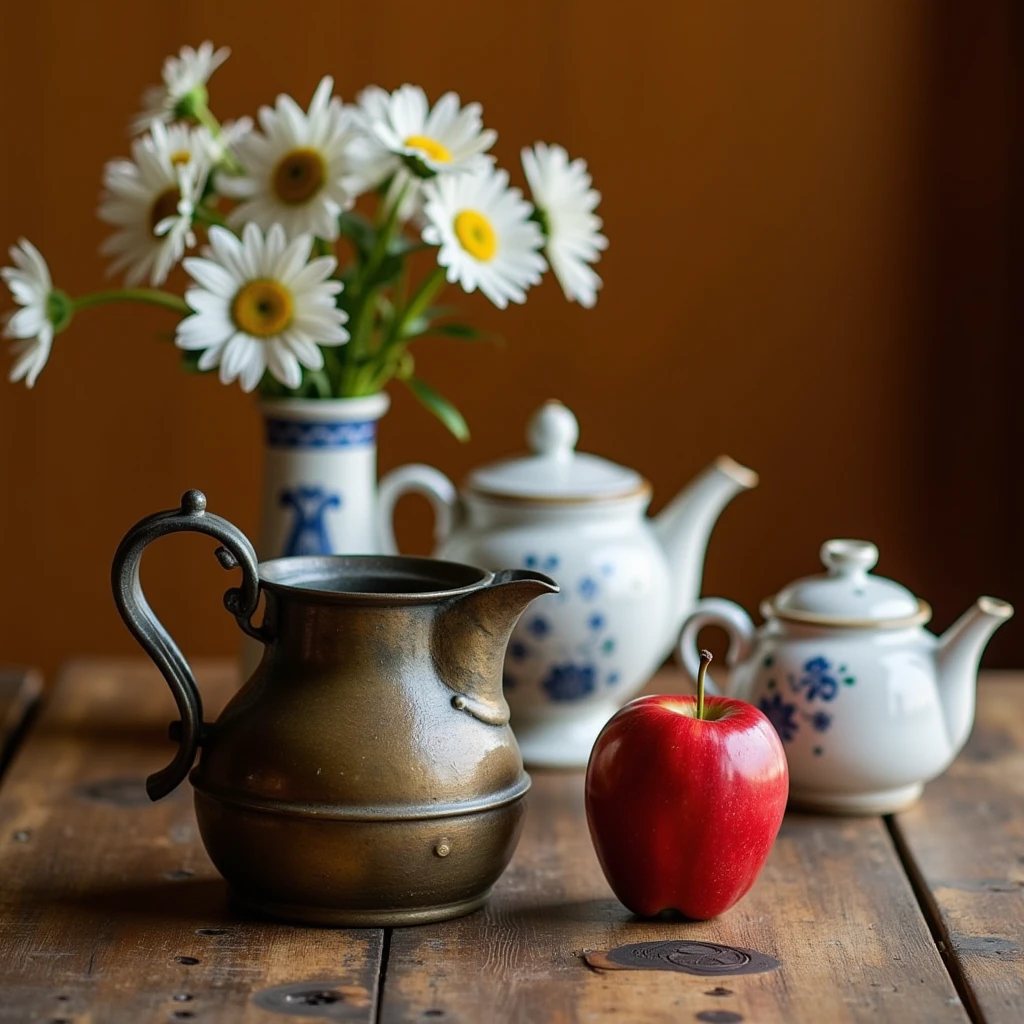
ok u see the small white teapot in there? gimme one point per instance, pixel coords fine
(627, 581)
(868, 703)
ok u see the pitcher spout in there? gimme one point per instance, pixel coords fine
(470, 636)
(684, 527)
(959, 653)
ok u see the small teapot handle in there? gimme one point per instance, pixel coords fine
(236, 552)
(715, 611)
(416, 479)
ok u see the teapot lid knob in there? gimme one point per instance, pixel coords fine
(849, 557)
(553, 431)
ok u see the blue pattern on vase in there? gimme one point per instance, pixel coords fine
(320, 434)
(570, 682)
(308, 534)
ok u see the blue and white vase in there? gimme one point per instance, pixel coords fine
(320, 476)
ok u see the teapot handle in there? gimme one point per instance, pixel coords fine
(236, 552)
(715, 611)
(416, 479)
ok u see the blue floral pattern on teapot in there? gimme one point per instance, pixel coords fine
(574, 672)
(818, 680)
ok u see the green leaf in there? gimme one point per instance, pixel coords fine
(359, 231)
(440, 407)
(465, 332)
(190, 361)
(387, 272)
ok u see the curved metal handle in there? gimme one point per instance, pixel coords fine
(156, 641)
(714, 611)
(416, 479)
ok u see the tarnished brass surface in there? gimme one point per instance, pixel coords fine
(366, 774)
(342, 872)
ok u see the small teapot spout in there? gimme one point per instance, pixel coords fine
(684, 527)
(959, 653)
(470, 636)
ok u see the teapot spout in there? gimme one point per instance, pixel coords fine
(959, 653)
(684, 527)
(471, 633)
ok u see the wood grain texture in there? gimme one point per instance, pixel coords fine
(966, 840)
(833, 904)
(110, 911)
(806, 204)
(19, 691)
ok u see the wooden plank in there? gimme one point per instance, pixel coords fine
(964, 844)
(19, 692)
(833, 904)
(110, 910)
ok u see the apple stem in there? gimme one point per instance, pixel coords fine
(705, 660)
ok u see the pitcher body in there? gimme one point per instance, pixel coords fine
(366, 773)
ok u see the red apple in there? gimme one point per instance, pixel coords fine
(684, 807)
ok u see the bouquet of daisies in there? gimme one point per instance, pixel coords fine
(317, 240)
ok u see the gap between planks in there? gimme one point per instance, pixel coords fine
(930, 912)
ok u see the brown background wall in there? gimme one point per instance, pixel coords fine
(808, 206)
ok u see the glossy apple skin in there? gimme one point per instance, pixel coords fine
(682, 811)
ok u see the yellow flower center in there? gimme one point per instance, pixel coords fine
(262, 308)
(165, 205)
(476, 235)
(431, 147)
(299, 176)
(181, 157)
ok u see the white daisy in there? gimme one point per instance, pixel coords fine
(487, 238)
(408, 142)
(261, 304)
(151, 200)
(296, 172)
(231, 133)
(185, 78)
(448, 138)
(43, 311)
(372, 163)
(565, 201)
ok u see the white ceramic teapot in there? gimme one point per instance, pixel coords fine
(868, 703)
(627, 581)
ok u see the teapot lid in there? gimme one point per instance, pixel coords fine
(848, 595)
(555, 471)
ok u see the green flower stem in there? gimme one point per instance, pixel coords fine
(202, 113)
(207, 215)
(382, 244)
(705, 660)
(392, 346)
(420, 301)
(151, 296)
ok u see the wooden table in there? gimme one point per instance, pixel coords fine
(111, 913)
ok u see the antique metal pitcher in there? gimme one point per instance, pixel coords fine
(366, 774)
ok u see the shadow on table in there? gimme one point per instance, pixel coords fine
(602, 911)
(198, 900)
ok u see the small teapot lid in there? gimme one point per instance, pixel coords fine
(555, 471)
(848, 595)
